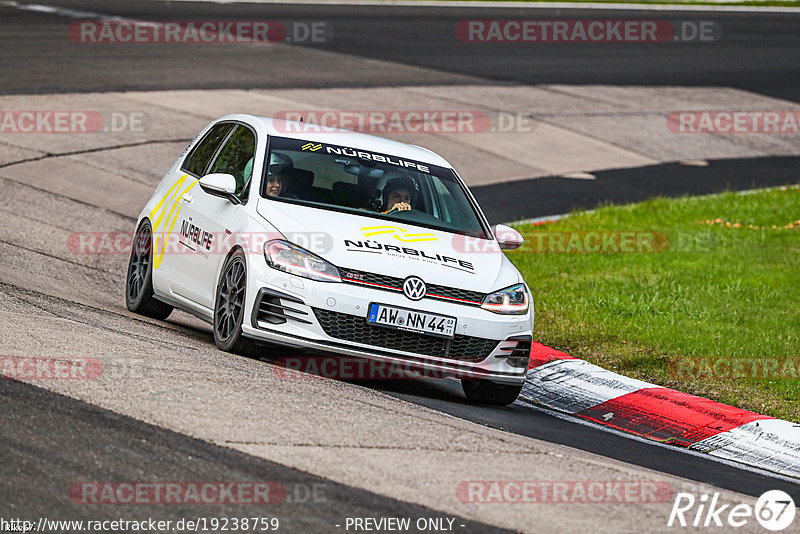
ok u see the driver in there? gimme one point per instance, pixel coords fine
(278, 170)
(399, 194)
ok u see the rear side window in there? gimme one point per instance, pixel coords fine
(236, 157)
(197, 161)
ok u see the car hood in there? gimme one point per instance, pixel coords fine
(391, 248)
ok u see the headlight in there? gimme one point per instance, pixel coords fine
(289, 258)
(509, 301)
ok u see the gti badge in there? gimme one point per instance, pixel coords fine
(414, 288)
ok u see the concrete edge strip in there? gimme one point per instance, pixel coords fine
(581, 389)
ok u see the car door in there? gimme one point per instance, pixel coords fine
(181, 181)
(204, 222)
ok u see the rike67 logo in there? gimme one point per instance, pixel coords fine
(774, 510)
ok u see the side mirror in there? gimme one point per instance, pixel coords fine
(507, 237)
(220, 185)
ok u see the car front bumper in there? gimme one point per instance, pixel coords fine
(331, 318)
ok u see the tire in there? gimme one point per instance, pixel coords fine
(229, 306)
(139, 295)
(485, 392)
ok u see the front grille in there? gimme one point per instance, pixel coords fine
(474, 298)
(379, 281)
(391, 283)
(354, 328)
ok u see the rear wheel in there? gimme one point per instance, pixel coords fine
(139, 295)
(229, 306)
(485, 392)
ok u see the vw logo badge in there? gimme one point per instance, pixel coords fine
(414, 288)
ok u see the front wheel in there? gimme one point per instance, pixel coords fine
(139, 296)
(485, 392)
(229, 306)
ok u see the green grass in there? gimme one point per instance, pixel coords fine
(714, 291)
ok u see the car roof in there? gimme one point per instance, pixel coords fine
(342, 137)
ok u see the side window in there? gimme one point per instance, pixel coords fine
(201, 155)
(236, 157)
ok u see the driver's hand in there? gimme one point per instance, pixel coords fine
(401, 206)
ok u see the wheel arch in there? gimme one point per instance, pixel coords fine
(235, 248)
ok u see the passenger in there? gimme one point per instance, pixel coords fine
(280, 166)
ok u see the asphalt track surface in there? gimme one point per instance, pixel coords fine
(758, 52)
(540, 197)
(125, 449)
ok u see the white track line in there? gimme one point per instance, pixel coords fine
(65, 12)
(521, 5)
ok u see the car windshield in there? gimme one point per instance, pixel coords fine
(367, 183)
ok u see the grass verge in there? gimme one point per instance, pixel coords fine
(721, 283)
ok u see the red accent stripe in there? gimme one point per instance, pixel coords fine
(541, 354)
(451, 298)
(669, 416)
(373, 284)
(400, 289)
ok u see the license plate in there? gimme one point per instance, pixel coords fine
(411, 320)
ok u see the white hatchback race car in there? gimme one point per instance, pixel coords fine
(334, 241)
